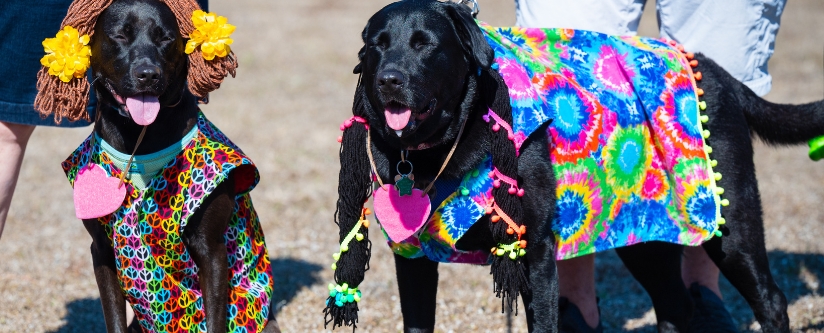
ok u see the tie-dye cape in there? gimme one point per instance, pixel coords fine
(626, 141)
(626, 144)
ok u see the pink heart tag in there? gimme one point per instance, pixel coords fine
(95, 193)
(401, 216)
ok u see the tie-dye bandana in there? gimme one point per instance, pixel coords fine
(626, 143)
(157, 274)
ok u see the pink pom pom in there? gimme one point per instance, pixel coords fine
(342, 128)
(511, 137)
(512, 190)
(491, 174)
(496, 127)
(340, 139)
(348, 123)
(521, 192)
(496, 183)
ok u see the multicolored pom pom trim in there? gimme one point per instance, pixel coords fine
(342, 294)
(702, 105)
(355, 233)
(516, 249)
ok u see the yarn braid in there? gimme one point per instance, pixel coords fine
(508, 275)
(69, 100)
(354, 188)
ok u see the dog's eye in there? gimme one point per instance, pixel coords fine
(379, 45)
(419, 40)
(417, 45)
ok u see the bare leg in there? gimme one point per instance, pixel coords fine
(698, 267)
(13, 140)
(576, 278)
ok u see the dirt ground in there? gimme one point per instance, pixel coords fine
(293, 89)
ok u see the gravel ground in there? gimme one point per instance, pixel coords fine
(294, 87)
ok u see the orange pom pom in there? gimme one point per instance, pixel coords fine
(510, 231)
(698, 76)
(495, 218)
(690, 55)
(699, 91)
(522, 244)
(694, 63)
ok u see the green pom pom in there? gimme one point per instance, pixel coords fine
(464, 192)
(816, 148)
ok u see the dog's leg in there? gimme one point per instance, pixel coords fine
(204, 240)
(105, 272)
(418, 288)
(657, 267)
(272, 326)
(741, 254)
(538, 181)
(742, 257)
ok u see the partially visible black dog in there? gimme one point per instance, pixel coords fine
(425, 56)
(137, 50)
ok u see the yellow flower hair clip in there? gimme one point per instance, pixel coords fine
(211, 34)
(67, 54)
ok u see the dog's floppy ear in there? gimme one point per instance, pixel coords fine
(359, 67)
(362, 53)
(472, 39)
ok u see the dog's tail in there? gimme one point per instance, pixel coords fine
(776, 124)
(784, 124)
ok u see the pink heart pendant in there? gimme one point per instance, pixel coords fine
(95, 193)
(401, 216)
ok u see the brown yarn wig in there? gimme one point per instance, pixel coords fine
(69, 100)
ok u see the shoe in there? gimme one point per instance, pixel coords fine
(709, 314)
(570, 319)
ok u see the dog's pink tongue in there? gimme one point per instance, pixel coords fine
(397, 117)
(143, 108)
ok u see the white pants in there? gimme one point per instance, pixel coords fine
(738, 34)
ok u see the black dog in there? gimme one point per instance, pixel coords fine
(424, 55)
(138, 51)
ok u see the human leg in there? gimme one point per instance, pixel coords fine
(614, 17)
(576, 281)
(697, 267)
(13, 140)
(738, 34)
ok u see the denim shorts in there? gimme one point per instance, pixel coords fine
(24, 24)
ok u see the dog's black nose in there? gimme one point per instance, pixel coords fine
(147, 74)
(390, 80)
